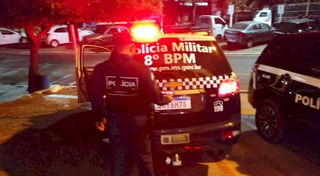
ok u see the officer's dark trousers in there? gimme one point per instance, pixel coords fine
(140, 148)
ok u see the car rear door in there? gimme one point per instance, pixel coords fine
(267, 32)
(61, 34)
(305, 99)
(88, 56)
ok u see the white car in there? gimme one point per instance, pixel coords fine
(264, 16)
(8, 36)
(58, 34)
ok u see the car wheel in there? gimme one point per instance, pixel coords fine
(219, 38)
(23, 40)
(250, 43)
(97, 42)
(270, 121)
(54, 43)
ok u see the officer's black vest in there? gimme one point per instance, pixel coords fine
(124, 91)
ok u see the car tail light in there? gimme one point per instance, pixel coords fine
(240, 34)
(228, 87)
(230, 134)
(189, 148)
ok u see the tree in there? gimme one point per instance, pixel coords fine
(194, 6)
(258, 4)
(29, 14)
(222, 5)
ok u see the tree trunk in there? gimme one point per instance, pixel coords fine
(257, 5)
(194, 8)
(34, 43)
(33, 76)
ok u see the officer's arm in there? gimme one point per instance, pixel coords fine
(152, 89)
(96, 92)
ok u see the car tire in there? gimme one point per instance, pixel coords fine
(270, 121)
(23, 40)
(97, 42)
(219, 38)
(250, 43)
(54, 43)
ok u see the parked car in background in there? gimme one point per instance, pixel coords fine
(284, 85)
(8, 36)
(58, 35)
(297, 26)
(104, 35)
(248, 33)
(264, 16)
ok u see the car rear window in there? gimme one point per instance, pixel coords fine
(240, 26)
(286, 27)
(263, 14)
(183, 59)
(204, 20)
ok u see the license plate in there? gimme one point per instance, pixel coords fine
(175, 139)
(177, 103)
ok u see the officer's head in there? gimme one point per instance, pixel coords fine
(124, 44)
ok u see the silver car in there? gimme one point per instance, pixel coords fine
(248, 33)
(104, 36)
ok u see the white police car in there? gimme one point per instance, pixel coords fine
(205, 113)
(284, 85)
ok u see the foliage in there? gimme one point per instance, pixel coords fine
(40, 12)
(261, 3)
(240, 4)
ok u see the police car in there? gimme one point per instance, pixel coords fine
(205, 113)
(284, 85)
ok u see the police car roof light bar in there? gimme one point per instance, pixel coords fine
(144, 31)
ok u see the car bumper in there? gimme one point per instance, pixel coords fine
(202, 138)
(240, 41)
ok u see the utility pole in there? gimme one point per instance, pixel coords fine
(308, 6)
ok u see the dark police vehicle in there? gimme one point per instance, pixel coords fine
(284, 85)
(205, 113)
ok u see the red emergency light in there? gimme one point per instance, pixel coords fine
(144, 31)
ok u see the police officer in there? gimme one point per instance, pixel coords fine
(129, 90)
